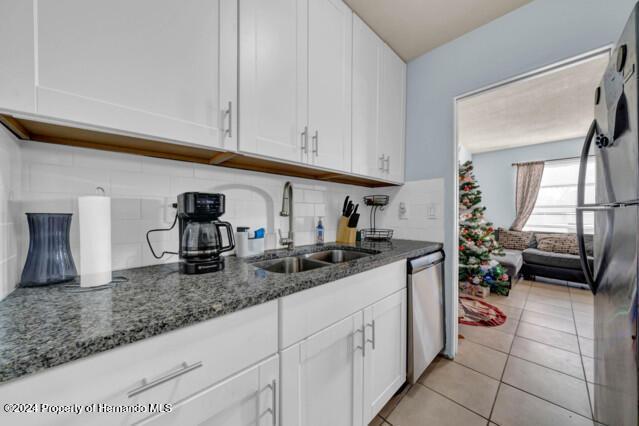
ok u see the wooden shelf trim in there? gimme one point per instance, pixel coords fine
(31, 130)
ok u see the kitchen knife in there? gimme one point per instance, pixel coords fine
(352, 222)
(349, 209)
(345, 206)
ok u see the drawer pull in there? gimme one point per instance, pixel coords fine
(185, 368)
(273, 387)
(372, 325)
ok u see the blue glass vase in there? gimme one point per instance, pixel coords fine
(49, 260)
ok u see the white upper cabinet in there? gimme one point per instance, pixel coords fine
(392, 118)
(379, 98)
(16, 51)
(295, 81)
(367, 66)
(160, 68)
(273, 78)
(330, 34)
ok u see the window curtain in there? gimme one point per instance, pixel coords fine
(527, 188)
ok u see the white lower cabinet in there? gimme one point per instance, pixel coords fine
(246, 399)
(322, 377)
(385, 357)
(345, 374)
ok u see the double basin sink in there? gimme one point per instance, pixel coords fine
(310, 261)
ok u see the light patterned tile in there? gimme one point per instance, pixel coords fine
(461, 384)
(516, 408)
(548, 356)
(559, 339)
(562, 303)
(392, 404)
(558, 388)
(544, 308)
(585, 329)
(422, 406)
(487, 336)
(544, 320)
(481, 358)
(587, 347)
(589, 368)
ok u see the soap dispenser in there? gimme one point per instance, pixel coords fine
(319, 232)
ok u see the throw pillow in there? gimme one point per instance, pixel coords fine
(515, 240)
(558, 243)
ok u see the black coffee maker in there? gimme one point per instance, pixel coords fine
(201, 241)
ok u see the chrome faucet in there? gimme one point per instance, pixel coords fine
(287, 211)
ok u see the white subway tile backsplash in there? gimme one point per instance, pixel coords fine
(143, 189)
(138, 184)
(158, 166)
(125, 208)
(67, 180)
(312, 196)
(304, 209)
(108, 161)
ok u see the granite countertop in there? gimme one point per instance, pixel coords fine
(48, 326)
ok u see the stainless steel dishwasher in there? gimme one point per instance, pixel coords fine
(426, 327)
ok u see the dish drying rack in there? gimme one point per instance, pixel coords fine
(376, 202)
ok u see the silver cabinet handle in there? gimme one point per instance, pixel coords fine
(372, 325)
(316, 143)
(363, 347)
(273, 387)
(149, 385)
(387, 170)
(380, 162)
(229, 113)
(304, 137)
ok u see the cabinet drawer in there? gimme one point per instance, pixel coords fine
(223, 346)
(307, 312)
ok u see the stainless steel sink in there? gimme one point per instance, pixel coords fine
(290, 265)
(337, 256)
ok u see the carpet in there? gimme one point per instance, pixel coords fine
(479, 313)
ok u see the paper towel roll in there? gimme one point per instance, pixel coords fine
(95, 240)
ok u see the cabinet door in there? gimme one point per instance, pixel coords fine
(273, 78)
(17, 64)
(247, 398)
(393, 105)
(367, 63)
(322, 377)
(330, 35)
(385, 359)
(160, 68)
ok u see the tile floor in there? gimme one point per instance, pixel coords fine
(533, 370)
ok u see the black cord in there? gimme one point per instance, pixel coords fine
(158, 230)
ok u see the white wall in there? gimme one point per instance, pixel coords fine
(424, 201)
(10, 174)
(142, 188)
(533, 36)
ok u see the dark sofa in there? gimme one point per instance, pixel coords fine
(533, 262)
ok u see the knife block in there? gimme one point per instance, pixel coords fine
(345, 235)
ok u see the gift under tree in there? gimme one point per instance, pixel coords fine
(477, 242)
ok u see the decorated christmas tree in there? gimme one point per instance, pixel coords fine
(477, 241)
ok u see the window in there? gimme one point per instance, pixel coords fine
(555, 207)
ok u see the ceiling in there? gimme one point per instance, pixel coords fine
(414, 27)
(552, 106)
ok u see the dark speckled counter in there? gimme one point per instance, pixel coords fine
(48, 326)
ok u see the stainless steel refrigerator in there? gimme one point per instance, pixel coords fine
(611, 273)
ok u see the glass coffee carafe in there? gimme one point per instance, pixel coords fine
(203, 240)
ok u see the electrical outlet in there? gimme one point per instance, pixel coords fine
(431, 211)
(403, 211)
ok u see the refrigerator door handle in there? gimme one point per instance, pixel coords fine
(581, 207)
